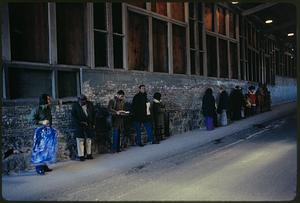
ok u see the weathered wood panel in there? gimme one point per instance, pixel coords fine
(177, 11)
(70, 33)
(160, 46)
(138, 51)
(179, 50)
(29, 31)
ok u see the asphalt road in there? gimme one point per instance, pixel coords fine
(257, 164)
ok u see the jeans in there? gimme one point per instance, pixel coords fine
(137, 126)
(116, 140)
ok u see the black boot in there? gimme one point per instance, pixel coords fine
(40, 170)
(46, 168)
(89, 156)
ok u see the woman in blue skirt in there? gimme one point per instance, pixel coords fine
(45, 137)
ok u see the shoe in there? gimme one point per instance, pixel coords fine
(81, 158)
(89, 156)
(40, 170)
(46, 168)
(141, 145)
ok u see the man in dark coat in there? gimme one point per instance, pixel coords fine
(116, 107)
(223, 106)
(141, 115)
(83, 119)
(158, 113)
(236, 101)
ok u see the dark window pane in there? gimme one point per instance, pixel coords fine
(192, 33)
(29, 31)
(117, 17)
(28, 83)
(242, 71)
(138, 51)
(67, 84)
(200, 36)
(223, 58)
(234, 60)
(118, 51)
(70, 33)
(193, 68)
(191, 10)
(100, 49)
(179, 50)
(199, 11)
(99, 16)
(201, 62)
(159, 7)
(211, 56)
(160, 46)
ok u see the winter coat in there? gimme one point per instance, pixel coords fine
(78, 116)
(139, 108)
(236, 100)
(251, 96)
(40, 113)
(158, 112)
(223, 102)
(115, 105)
(208, 105)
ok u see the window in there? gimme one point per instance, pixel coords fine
(160, 46)
(138, 51)
(29, 32)
(211, 56)
(234, 60)
(179, 49)
(67, 84)
(159, 7)
(177, 11)
(221, 21)
(209, 17)
(232, 25)
(117, 35)
(196, 40)
(28, 83)
(223, 54)
(70, 33)
(100, 35)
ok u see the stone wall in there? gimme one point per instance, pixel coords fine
(181, 93)
(285, 90)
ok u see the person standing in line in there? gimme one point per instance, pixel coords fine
(209, 108)
(83, 119)
(252, 99)
(158, 112)
(45, 137)
(116, 107)
(236, 101)
(223, 106)
(141, 115)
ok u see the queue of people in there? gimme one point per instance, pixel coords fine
(236, 106)
(144, 114)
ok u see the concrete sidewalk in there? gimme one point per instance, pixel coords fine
(26, 185)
